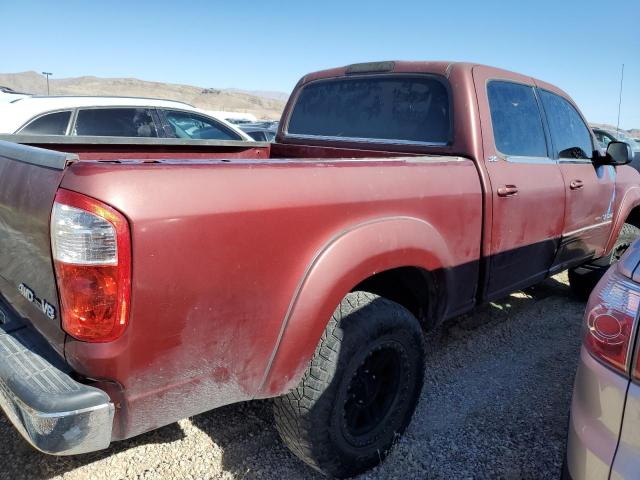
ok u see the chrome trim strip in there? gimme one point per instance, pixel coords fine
(526, 159)
(584, 229)
(586, 161)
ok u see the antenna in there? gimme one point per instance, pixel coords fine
(620, 100)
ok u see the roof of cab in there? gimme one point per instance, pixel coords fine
(439, 67)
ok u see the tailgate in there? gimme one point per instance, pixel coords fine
(29, 179)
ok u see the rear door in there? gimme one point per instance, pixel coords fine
(527, 188)
(590, 189)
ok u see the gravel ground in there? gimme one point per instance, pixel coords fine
(495, 405)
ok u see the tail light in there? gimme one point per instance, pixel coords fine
(91, 248)
(612, 312)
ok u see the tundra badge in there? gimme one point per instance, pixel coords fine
(48, 309)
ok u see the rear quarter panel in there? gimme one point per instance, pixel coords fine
(220, 250)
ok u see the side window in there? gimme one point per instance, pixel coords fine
(199, 127)
(50, 124)
(516, 120)
(569, 134)
(258, 135)
(602, 138)
(116, 122)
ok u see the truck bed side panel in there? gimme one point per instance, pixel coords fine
(218, 252)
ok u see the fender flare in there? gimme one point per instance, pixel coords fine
(630, 200)
(347, 259)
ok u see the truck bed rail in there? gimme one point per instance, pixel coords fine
(35, 156)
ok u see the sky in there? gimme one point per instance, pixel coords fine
(579, 46)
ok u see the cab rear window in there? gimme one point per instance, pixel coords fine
(390, 108)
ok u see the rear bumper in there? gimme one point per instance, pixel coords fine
(53, 412)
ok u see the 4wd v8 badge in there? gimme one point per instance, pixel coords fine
(48, 309)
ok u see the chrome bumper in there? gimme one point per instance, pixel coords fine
(53, 412)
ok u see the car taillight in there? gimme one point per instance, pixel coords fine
(610, 319)
(91, 248)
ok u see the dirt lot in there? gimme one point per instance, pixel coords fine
(495, 405)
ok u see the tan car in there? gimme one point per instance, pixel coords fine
(604, 430)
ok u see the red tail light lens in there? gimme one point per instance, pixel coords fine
(91, 247)
(610, 319)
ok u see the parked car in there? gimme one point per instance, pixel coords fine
(141, 288)
(259, 132)
(9, 94)
(604, 438)
(605, 136)
(113, 116)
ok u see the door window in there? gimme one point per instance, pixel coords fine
(192, 125)
(51, 124)
(116, 122)
(516, 120)
(569, 134)
(258, 135)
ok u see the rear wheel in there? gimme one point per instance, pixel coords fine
(360, 389)
(584, 278)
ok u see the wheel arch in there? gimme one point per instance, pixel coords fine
(628, 212)
(368, 256)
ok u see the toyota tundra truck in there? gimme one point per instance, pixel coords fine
(145, 280)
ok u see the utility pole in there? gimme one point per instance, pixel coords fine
(46, 74)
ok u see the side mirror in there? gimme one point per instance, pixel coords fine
(618, 153)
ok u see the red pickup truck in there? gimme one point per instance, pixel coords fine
(145, 281)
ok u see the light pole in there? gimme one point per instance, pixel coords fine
(46, 74)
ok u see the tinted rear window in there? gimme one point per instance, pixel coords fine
(392, 107)
(50, 124)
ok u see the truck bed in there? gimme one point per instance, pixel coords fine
(222, 248)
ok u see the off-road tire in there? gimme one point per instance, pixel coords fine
(365, 332)
(583, 279)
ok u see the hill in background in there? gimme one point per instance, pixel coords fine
(264, 105)
(633, 133)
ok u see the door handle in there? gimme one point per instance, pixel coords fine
(507, 191)
(576, 184)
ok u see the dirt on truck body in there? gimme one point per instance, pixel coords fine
(155, 280)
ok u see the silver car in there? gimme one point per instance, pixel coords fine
(604, 430)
